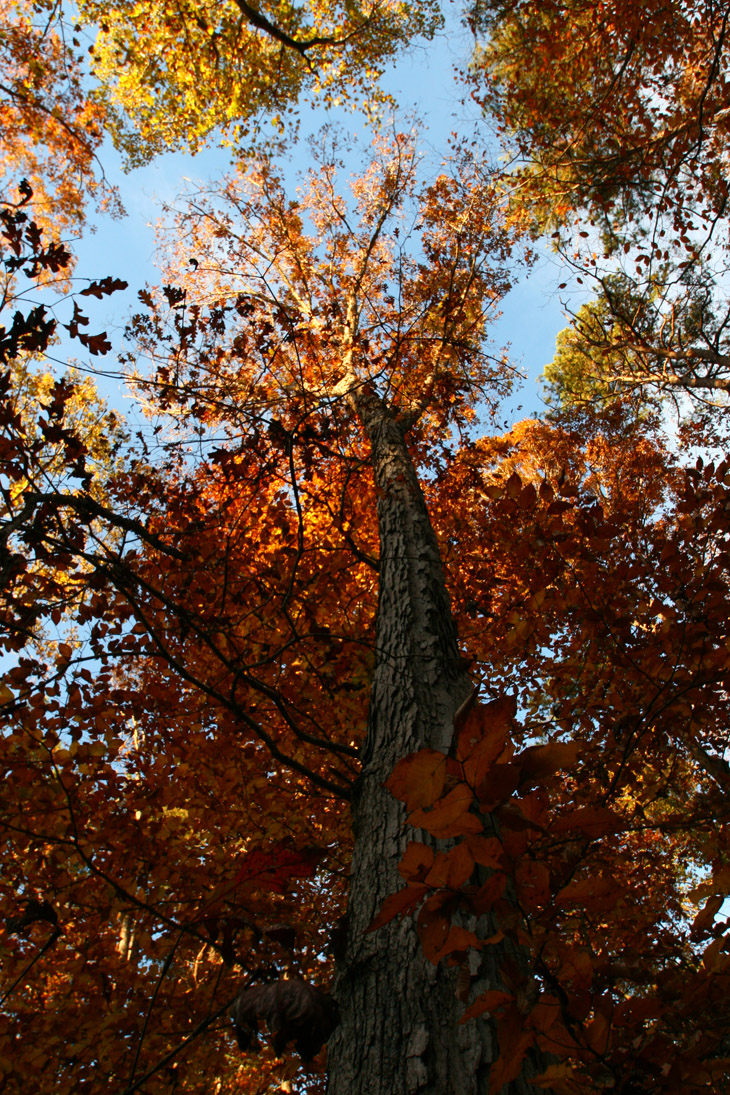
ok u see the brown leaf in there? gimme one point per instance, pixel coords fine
(486, 850)
(418, 780)
(490, 1001)
(450, 816)
(486, 721)
(103, 287)
(594, 821)
(451, 869)
(540, 761)
(433, 924)
(416, 862)
(398, 904)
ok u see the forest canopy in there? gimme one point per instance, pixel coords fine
(352, 741)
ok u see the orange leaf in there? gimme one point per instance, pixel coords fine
(483, 757)
(451, 869)
(450, 816)
(418, 779)
(486, 722)
(598, 892)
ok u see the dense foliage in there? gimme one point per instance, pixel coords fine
(192, 617)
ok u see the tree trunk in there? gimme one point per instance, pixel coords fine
(400, 1031)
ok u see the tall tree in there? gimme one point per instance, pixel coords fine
(360, 331)
(595, 586)
(52, 126)
(176, 72)
(619, 119)
(236, 668)
(310, 353)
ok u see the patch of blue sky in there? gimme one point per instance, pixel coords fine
(426, 85)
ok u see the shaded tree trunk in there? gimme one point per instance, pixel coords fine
(400, 1031)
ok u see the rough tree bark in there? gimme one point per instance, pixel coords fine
(400, 1032)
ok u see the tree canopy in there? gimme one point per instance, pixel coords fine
(334, 714)
(619, 116)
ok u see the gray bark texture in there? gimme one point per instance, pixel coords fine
(400, 1032)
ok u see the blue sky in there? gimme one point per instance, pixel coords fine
(423, 83)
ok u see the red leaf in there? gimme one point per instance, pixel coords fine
(272, 869)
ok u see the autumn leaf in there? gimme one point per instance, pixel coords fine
(271, 869)
(450, 816)
(508, 1065)
(540, 761)
(416, 862)
(434, 924)
(451, 869)
(487, 722)
(103, 287)
(418, 780)
(398, 904)
(594, 821)
(485, 850)
(492, 1001)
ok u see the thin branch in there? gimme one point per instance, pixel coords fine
(163, 973)
(200, 1029)
(21, 977)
